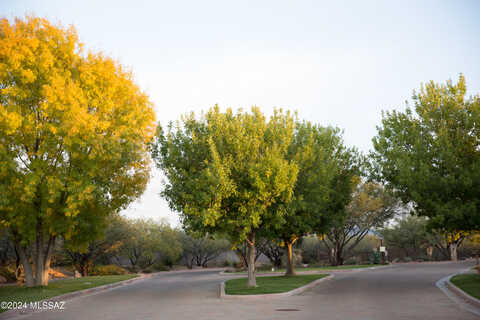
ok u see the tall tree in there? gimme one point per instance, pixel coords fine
(147, 242)
(370, 208)
(272, 249)
(226, 170)
(200, 249)
(408, 234)
(74, 130)
(430, 155)
(328, 172)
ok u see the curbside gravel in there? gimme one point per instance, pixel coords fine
(223, 295)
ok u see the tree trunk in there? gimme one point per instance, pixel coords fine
(290, 270)
(339, 258)
(453, 251)
(338, 254)
(43, 258)
(430, 252)
(27, 267)
(252, 281)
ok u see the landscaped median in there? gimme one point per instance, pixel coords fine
(270, 286)
(59, 289)
(314, 269)
(468, 283)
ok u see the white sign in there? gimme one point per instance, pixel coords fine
(382, 249)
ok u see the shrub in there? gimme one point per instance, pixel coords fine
(238, 265)
(265, 267)
(155, 268)
(8, 273)
(351, 261)
(375, 257)
(160, 267)
(108, 270)
(407, 259)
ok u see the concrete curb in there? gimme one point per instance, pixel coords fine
(462, 294)
(223, 295)
(460, 297)
(223, 273)
(67, 296)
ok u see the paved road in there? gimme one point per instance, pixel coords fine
(405, 291)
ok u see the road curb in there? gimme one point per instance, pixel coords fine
(460, 297)
(223, 273)
(223, 295)
(462, 294)
(68, 296)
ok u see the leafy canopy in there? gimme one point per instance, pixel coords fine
(225, 170)
(73, 132)
(430, 155)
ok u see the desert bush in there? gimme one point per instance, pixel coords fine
(8, 272)
(351, 261)
(108, 270)
(375, 258)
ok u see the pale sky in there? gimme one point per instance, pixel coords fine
(335, 62)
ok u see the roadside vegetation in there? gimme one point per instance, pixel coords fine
(56, 288)
(303, 269)
(78, 139)
(470, 283)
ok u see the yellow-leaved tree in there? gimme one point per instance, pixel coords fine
(74, 134)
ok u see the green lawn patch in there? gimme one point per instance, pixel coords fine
(55, 288)
(276, 284)
(470, 283)
(323, 268)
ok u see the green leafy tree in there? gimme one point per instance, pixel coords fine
(74, 130)
(274, 250)
(430, 155)
(328, 172)
(147, 242)
(226, 170)
(200, 249)
(409, 234)
(84, 250)
(371, 206)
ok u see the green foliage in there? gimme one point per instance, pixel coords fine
(200, 249)
(372, 205)
(108, 270)
(74, 129)
(470, 283)
(55, 288)
(375, 257)
(8, 272)
(147, 242)
(270, 284)
(328, 173)
(408, 234)
(226, 170)
(430, 155)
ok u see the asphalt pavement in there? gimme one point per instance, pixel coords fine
(404, 291)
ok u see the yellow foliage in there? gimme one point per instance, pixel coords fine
(73, 125)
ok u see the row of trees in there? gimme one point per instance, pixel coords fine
(245, 176)
(76, 136)
(136, 244)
